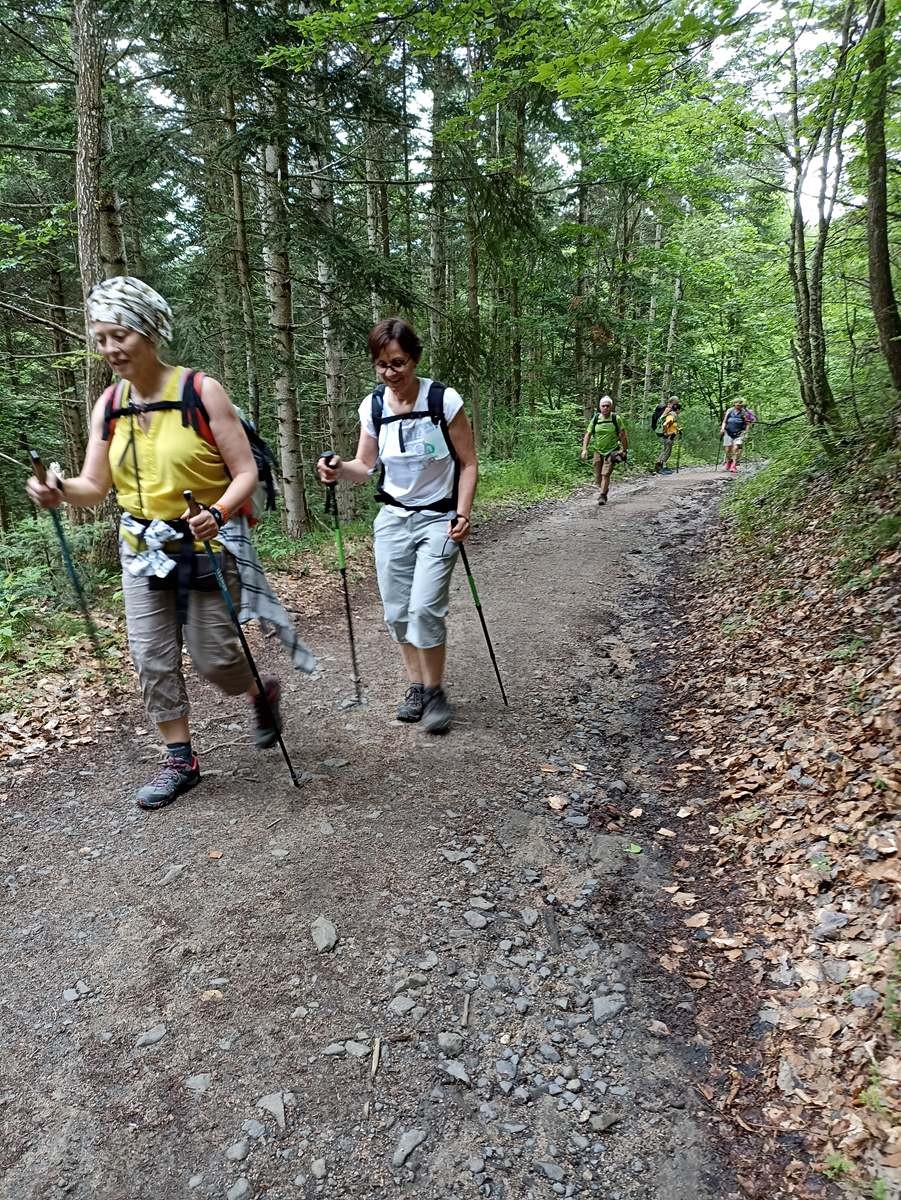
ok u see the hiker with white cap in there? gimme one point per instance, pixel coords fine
(607, 437)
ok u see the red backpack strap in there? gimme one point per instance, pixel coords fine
(193, 410)
(112, 402)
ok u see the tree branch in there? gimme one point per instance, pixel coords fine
(22, 312)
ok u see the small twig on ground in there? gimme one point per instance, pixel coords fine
(222, 746)
(376, 1059)
(464, 1020)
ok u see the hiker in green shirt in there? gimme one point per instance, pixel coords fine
(608, 439)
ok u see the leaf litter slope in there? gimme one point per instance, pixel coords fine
(492, 984)
(785, 700)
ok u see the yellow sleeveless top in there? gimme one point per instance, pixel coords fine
(152, 469)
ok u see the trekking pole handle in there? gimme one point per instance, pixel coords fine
(331, 501)
(40, 471)
(193, 507)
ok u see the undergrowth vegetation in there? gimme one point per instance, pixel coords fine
(848, 482)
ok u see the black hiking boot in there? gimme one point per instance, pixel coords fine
(175, 776)
(602, 499)
(410, 708)
(436, 712)
(266, 734)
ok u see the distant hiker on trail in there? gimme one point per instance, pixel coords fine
(608, 439)
(419, 431)
(735, 424)
(669, 430)
(160, 431)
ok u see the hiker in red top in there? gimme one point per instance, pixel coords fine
(141, 444)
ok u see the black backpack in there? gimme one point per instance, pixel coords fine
(435, 412)
(656, 415)
(193, 413)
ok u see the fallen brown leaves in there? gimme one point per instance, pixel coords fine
(786, 693)
(76, 700)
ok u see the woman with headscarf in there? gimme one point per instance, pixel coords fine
(142, 443)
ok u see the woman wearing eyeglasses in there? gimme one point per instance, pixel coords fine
(420, 432)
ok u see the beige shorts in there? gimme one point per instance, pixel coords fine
(733, 441)
(155, 642)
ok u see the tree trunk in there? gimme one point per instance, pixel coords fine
(320, 189)
(670, 356)
(623, 299)
(652, 314)
(882, 294)
(100, 247)
(436, 231)
(113, 256)
(241, 251)
(472, 308)
(277, 264)
(580, 365)
(373, 223)
(88, 58)
(71, 408)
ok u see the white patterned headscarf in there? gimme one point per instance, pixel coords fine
(127, 301)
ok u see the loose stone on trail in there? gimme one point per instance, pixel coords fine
(457, 856)
(450, 1044)
(152, 1036)
(274, 1103)
(604, 1008)
(456, 1071)
(325, 935)
(407, 1144)
(241, 1189)
(172, 874)
(197, 1083)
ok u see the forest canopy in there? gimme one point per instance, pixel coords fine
(565, 200)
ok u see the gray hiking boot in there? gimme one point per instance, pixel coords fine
(410, 708)
(174, 777)
(436, 712)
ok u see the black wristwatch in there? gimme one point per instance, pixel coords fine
(216, 515)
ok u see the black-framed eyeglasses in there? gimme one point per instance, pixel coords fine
(396, 364)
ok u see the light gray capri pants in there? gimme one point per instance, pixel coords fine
(414, 560)
(155, 641)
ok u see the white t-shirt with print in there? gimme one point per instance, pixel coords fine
(422, 472)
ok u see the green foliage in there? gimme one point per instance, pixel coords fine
(855, 472)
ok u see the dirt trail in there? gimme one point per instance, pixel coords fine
(465, 904)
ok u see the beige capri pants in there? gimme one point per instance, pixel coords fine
(155, 642)
(414, 561)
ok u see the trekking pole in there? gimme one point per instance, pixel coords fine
(678, 450)
(331, 510)
(719, 446)
(40, 472)
(194, 509)
(478, 604)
